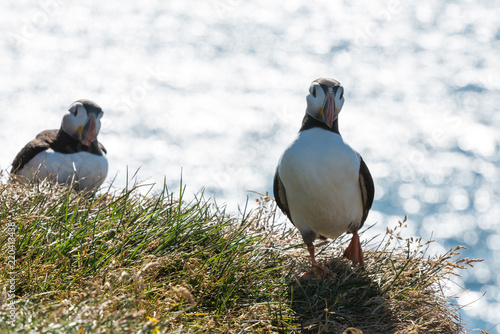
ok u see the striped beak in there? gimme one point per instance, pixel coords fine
(88, 131)
(329, 109)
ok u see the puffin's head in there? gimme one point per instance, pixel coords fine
(325, 99)
(83, 121)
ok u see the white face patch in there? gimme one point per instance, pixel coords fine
(97, 125)
(339, 100)
(74, 118)
(315, 101)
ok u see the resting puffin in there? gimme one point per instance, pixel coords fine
(70, 154)
(321, 183)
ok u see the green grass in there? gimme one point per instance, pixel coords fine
(127, 262)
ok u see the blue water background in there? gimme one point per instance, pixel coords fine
(215, 90)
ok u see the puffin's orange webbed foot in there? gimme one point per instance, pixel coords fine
(315, 273)
(354, 252)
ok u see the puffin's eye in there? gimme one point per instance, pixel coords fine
(312, 90)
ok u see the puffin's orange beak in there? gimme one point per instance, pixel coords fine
(89, 134)
(330, 111)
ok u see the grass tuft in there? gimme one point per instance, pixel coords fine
(156, 263)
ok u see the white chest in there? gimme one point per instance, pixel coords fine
(88, 169)
(320, 174)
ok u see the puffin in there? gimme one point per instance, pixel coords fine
(323, 185)
(70, 155)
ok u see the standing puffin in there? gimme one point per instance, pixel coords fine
(70, 154)
(321, 183)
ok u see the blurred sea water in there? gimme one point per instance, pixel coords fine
(215, 90)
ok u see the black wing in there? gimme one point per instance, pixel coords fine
(367, 188)
(37, 145)
(280, 195)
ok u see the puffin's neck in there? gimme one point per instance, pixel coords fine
(310, 122)
(66, 143)
(65, 137)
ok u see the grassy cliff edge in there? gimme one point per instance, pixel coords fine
(155, 263)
